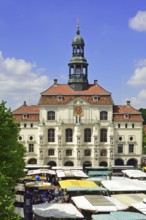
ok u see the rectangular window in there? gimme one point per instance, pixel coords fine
(87, 153)
(120, 148)
(31, 147)
(119, 125)
(126, 125)
(51, 152)
(51, 135)
(131, 148)
(132, 125)
(68, 152)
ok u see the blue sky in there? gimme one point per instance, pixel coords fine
(35, 47)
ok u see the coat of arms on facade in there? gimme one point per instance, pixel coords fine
(78, 110)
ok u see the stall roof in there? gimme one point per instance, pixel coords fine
(98, 203)
(87, 189)
(41, 171)
(95, 179)
(134, 173)
(140, 206)
(99, 172)
(120, 216)
(57, 210)
(81, 183)
(129, 199)
(125, 185)
(70, 173)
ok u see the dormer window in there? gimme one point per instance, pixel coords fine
(25, 116)
(60, 98)
(95, 98)
(126, 116)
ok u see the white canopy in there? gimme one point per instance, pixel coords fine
(97, 203)
(134, 173)
(70, 173)
(41, 171)
(57, 210)
(125, 185)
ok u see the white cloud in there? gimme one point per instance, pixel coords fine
(139, 21)
(139, 75)
(138, 79)
(21, 80)
(139, 101)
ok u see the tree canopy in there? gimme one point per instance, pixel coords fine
(12, 162)
(143, 112)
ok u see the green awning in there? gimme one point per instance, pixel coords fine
(99, 173)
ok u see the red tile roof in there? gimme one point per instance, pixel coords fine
(65, 89)
(31, 111)
(120, 111)
(53, 100)
(27, 109)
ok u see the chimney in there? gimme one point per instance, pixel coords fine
(24, 103)
(95, 82)
(128, 103)
(55, 81)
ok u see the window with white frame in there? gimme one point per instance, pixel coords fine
(68, 152)
(131, 148)
(51, 115)
(31, 148)
(103, 135)
(51, 152)
(87, 135)
(103, 115)
(120, 148)
(87, 152)
(68, 135)
(51, 135)
(103, 153)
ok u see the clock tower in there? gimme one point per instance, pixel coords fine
(78, 66)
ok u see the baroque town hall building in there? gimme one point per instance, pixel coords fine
(77, 123)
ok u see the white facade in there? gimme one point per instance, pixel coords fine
(77, 123)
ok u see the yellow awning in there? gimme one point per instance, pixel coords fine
(82, 183)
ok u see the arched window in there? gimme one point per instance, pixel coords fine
(68, 135)
(103, 135)
(103, 153)
(51, 115)
(68, 152)
(51, 135)
(51, 152)
(103, 115)
(87, 135)
(87, 152)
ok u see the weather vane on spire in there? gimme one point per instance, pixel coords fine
(78, 27)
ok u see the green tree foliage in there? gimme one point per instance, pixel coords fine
(143, 112)
(144, 142)
(11, 162)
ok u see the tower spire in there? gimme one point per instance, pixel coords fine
(78, 66)
(78, 27)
